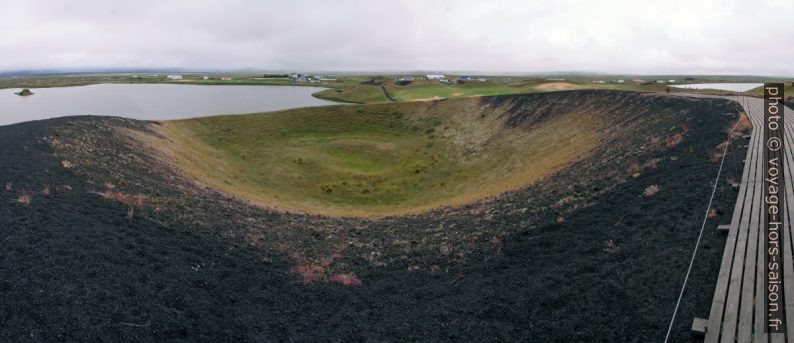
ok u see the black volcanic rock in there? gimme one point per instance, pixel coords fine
(103, 242)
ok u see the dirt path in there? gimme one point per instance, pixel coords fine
(387, 94)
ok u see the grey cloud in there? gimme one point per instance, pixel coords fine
(674, 36)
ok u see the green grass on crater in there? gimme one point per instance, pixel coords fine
(373, 160)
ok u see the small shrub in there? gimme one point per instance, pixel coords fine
(309, 273)
(634, 169)
(716, 155)
(610, 247)
(675, 140)
(131, 200)
(742, 125)
(347, 279)
(652, 163)
(25, 199)
(496, 244)
(446, 249)
(651, 190)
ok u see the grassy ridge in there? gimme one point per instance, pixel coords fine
(374, 160)
(434, 91)
(430, 90)
(359, 94)
(788, 91)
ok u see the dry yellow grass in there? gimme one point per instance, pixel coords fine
(557, 86)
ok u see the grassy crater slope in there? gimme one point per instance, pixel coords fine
(389, 159)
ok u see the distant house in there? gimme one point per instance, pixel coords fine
(299, 78)
(443, 80)
(660, 81)
(174, 77)
(404, 80)
(671, 81)
(435, 76)
(621, 81)
(206, 77)
(226, 78)
(599, 81)
(472, 78)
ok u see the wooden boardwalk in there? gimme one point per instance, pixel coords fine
(737, 308)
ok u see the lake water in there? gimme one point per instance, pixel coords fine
(735, 87)
(152, 101)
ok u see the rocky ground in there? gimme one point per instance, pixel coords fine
(104, 240)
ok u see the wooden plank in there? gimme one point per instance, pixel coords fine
(730, 319)
(758, 328)
(788, 249)
(788, 212)
(720, 293)
(699, 326)
(747, 292)
(737, 307)
(751, 261)
(721, 290)
(727, 264)
(758, 335)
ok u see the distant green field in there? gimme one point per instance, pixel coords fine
(364, 89)
(759, 91)
(82, 80)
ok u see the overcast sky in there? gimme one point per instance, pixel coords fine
(623, 36)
